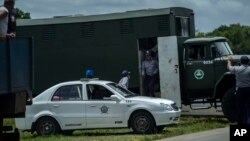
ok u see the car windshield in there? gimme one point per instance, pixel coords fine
(120, 90)
(222, 49)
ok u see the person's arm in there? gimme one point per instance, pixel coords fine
(231, 68)
(12, 24)
(3, 14)
(156, 69)
(143, 69)
(123, 82)
(12, 34)
(229, 62)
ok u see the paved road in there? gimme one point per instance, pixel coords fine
(221, 134)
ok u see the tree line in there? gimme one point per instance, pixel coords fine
(21, 14)
(237, 34)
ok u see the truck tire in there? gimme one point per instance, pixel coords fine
(47, 126)
(68, 132)
(159, 129)
(142, 122)
(229, 105)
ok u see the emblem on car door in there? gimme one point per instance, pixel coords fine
(104, 109)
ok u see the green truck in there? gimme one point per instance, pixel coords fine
(191, 70)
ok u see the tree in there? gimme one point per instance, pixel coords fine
(238, 35)
(200, 34)
(21, 14)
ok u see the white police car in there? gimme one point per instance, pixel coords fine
(89, 104)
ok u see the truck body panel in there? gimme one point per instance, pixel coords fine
(16, 75)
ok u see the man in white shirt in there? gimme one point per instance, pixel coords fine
(4, 18)
(149, 74)
(242, 75)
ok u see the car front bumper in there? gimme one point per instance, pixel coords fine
(167, 117)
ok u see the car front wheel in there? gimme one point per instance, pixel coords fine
(142, 122)
(47, 126)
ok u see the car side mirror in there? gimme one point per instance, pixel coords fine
(115, 98)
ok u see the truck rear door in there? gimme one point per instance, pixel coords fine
(169, 68)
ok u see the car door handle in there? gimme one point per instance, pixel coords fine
(56, 106)
(92, 106)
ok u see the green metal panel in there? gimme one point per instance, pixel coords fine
(16, 63)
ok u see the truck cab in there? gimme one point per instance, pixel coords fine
(204, 64)
(205, 75)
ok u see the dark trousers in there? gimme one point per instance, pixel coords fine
(149, 85)
(243, 105)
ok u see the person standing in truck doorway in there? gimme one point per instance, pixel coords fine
(242, 75)
(149, 74)
(4, 19)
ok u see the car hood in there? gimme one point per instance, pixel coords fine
(150, 99)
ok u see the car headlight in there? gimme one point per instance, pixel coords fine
(167, 107)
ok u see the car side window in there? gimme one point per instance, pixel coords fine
(68, 93)
(98, 92)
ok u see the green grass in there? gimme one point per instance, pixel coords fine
(188, 124)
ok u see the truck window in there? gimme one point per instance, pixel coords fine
(220, 49)
(196, 52)
(182, 26)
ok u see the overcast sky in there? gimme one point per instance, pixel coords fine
(209, 14)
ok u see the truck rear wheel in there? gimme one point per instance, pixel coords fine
(229, 104)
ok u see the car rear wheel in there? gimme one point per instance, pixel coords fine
(142, 122)
(47, 126)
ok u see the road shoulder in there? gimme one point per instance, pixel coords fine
(204, 135)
